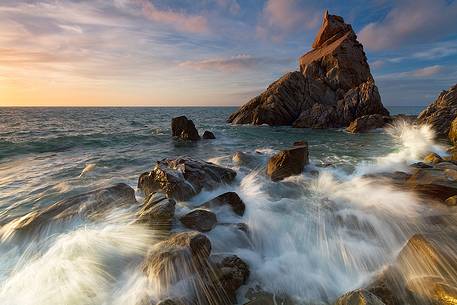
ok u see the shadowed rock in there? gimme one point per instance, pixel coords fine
(440, 114)
(358, 297)
(208, 135)
(183, 177)
(157, 211)
(432, 158)
(288, 162)
(199, 219)
(333, 87)
(230, 198)
(183, 128)
(368, 122)
(436, 183)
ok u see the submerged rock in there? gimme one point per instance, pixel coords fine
(333, 87)
(368, 122)
(183, 128)
(208, 135)
(288, 162)
(358, 297)
(183, 177)
(92, 204)
(229, 198)
(240, 158)
(157, 211)
(199, 219)
(440, 114)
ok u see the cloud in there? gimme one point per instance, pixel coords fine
(412, 21)
(425, 72)
(179, 21)
(231, 5)
(232, 64)
(71, 28)
(281, 17)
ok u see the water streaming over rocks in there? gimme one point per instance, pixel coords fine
(310, 237)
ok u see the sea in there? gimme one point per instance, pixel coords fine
(312, 237)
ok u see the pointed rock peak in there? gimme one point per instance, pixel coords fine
(332, 27)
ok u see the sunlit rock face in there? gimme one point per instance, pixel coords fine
(333, 87)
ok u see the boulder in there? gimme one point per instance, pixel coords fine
(240, 158)
(90, 205)
(288, 162)
(199, 219)
(451, 201)
(436, 183)
(358, 297)
(432, 158)
(231, 272)
(183, 128)
(157, 211)
(333, 87)
(183, 177)
(208, 135)
(440, 114)
(368, 122)
(229, 198)
(453, 131)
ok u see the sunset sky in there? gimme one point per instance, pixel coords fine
(209, 52)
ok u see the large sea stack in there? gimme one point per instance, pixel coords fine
(333, 87)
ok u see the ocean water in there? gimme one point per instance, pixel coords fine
(313, 236)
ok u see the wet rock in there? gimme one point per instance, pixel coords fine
(440, 114)
(451, 201)
(183, 128)
(288, 163)
(368, 122)
(333, 87)
(92, 205)
(388, 286)
(260, 297)
(421, 165)
(231, 272)
(199, 219)
(432, 158)
(157, 211)
(358, 297)
(208, 135)
(453, 131)
(183, 177)
(240, 158)
(436, 183)
(229, 198)
(431, 290)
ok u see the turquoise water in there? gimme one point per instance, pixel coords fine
(303, 241)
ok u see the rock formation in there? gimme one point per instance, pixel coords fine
(333, 87)
(368, 122)
(183, 128)
(183, 177)
(199, 219)
(288, 162)
(157, 211)
(229, 198)
(208, 135)
(440, 114)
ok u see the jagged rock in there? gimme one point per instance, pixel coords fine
(199, 219)
(184, 128)
(358, 297)
(368, 122)
(432, 158)
(440, 114)
(288, 162)
(332, 89)
(436, 183)
(183, 177)
(208, 135)
(92, 204)
(229, 198)
(157, 211)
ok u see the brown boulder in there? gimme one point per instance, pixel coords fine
(432, 158)
(332, 89)
(451, 201)
(183, 177)
(358, 297)
(368, 122)
(436, 183)
(199, 219)
(183, 128)
(208, 135)
(157, 211)
(288, 162)
(453, 131)
(229, 198)
(440, 114)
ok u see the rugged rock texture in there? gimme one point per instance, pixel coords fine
(333, 87)
(208, 135)
(440, 114)
(199, 219)
(91, 204)
(183, 177)
(439, 182)
(230, 198)
(288, 162)
(358, 297)
(184, 128)
(157, 211)
(368, 122)
(453, 131)
(432, 158)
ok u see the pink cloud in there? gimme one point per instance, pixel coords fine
(281, 17)
(180, 21)
(231, 64)
(413, 21)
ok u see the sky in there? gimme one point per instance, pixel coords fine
(209, 52)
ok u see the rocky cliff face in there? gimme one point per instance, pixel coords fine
(440, 114)
(333, 87)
